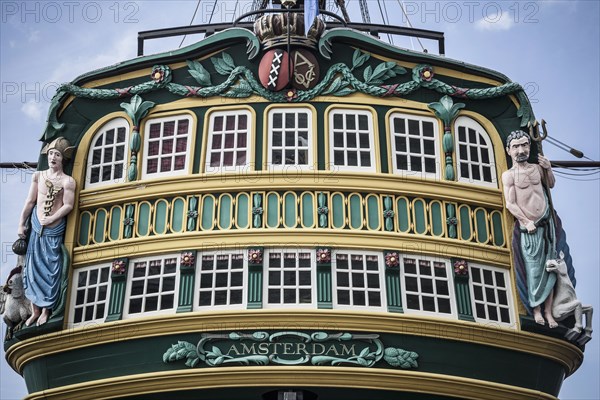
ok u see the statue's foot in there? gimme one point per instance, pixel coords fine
(551, 322)
(537, 316)
(43, 318)
(31, 319)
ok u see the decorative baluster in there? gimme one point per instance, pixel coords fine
(136, 109)
(447, 111)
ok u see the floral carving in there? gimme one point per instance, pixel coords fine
(461, 267)
(118, 267)
(255, 256)
(188, 259)
(392, 260)
(323, 256)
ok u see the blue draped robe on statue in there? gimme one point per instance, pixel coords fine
(41, 277)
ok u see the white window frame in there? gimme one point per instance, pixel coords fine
(309, 146)
(208, 168)
(229, 270)
(143, 296)
(75, 288)
(450, 280)
(312, 286)
(114, 124)
(370, 132)
(436, 146)
(187, 152)
(495, 287)
(380, 276)
(469, 123)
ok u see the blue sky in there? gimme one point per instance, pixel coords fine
(550, 47)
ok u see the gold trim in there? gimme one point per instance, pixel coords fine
(359, 239)
(559, 351)
(259, 180)
(333, 377)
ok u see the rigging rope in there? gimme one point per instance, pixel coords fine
(193, 16)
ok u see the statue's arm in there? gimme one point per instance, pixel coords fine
(546, 171)
(30, 202)
(510, 195)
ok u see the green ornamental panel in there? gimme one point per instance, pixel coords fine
(178, 214)
(99, 225)
(402, 208)
(338, 211)
(392, 282)
(208, 213)
(242, 215)
(420, 216)
(437, 218)
(373, 212)
(161, 215)
(118, 279)
(464, 213)
(272, 210)
(481, 226)
(290, 216)
(84, 228)
(186, 281)
(308, 210)
(497, 228)
(225, 211)
(355, 211)
(255, 278)
(115, 223)
(143, 223)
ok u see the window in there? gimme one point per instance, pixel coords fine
(490, 294)
(290, 278)
(108, 154)
(221, 281)
(228, 140)
(426, 286)
(358, 280)
(351, 140)
(153, 285)
(167, 146)
(474, 153)
(414, 145)
(290, 138)
(91, 286)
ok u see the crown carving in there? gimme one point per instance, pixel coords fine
(271, 30)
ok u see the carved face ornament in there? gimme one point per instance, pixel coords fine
(519, 150)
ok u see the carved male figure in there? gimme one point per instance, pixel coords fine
(527, 201)
(50, 199)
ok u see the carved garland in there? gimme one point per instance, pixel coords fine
(240, 82)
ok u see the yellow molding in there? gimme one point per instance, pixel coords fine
(559, 351)
(305, 180)
(280, 237)
(285, 376)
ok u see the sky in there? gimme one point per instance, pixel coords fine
(550, 47)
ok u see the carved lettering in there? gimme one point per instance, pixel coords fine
(348, 351)
(233, 349)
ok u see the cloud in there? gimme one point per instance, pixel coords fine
(33, 110)
(34, 36)
(117, 48)
(501, 21)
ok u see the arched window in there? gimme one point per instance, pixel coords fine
(167, 146)
(290, 138)
(107, 156)
(474, 153)
(415, 145)
(229, 141)
(351, 140)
